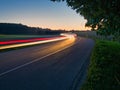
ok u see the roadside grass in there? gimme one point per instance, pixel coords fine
(104, 69)
(15, 37)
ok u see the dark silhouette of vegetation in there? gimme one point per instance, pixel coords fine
(10, 28)
(101, 15)
(104, 68)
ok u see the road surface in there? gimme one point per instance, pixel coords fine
(60, 65)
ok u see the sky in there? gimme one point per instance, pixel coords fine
(41, 13)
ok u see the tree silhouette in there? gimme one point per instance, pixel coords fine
(101, 15)
(12, 28)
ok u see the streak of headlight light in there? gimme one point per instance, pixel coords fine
(32, 43)
(70, 35)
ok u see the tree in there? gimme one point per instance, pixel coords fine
(20, 29)
(101, 15)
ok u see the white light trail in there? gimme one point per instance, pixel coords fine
(67, 36)
(31, 43)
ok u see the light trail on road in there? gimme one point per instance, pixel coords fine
(61, 65)
(12, 43)
(68, 43)
(26, 40)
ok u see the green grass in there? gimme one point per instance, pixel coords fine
(14, 37)
(104, 69)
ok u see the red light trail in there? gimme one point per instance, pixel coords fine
(26, 40)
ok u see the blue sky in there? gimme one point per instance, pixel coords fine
(41, 13)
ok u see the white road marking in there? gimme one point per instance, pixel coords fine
(18, 67)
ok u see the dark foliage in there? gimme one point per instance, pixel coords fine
(101, 15)
(10, 28)
(104, 69)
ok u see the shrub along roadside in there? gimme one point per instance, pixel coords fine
(104, 69)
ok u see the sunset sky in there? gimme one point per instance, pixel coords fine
(41, 13)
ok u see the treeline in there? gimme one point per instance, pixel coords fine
(11, 28)
(101, 15)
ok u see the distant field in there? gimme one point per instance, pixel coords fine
(93, 35)
(88, 34)
(15, 37)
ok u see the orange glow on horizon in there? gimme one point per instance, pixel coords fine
(68, 28)
(58, 24)
(43, 14)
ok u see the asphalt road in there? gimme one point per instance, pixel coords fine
(58, 65)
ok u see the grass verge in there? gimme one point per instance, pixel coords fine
(104, 69)
(15, 37)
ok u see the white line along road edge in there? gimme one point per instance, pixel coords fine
(32, 43)
(23, 65)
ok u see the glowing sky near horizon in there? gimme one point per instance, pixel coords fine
(41, 13)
